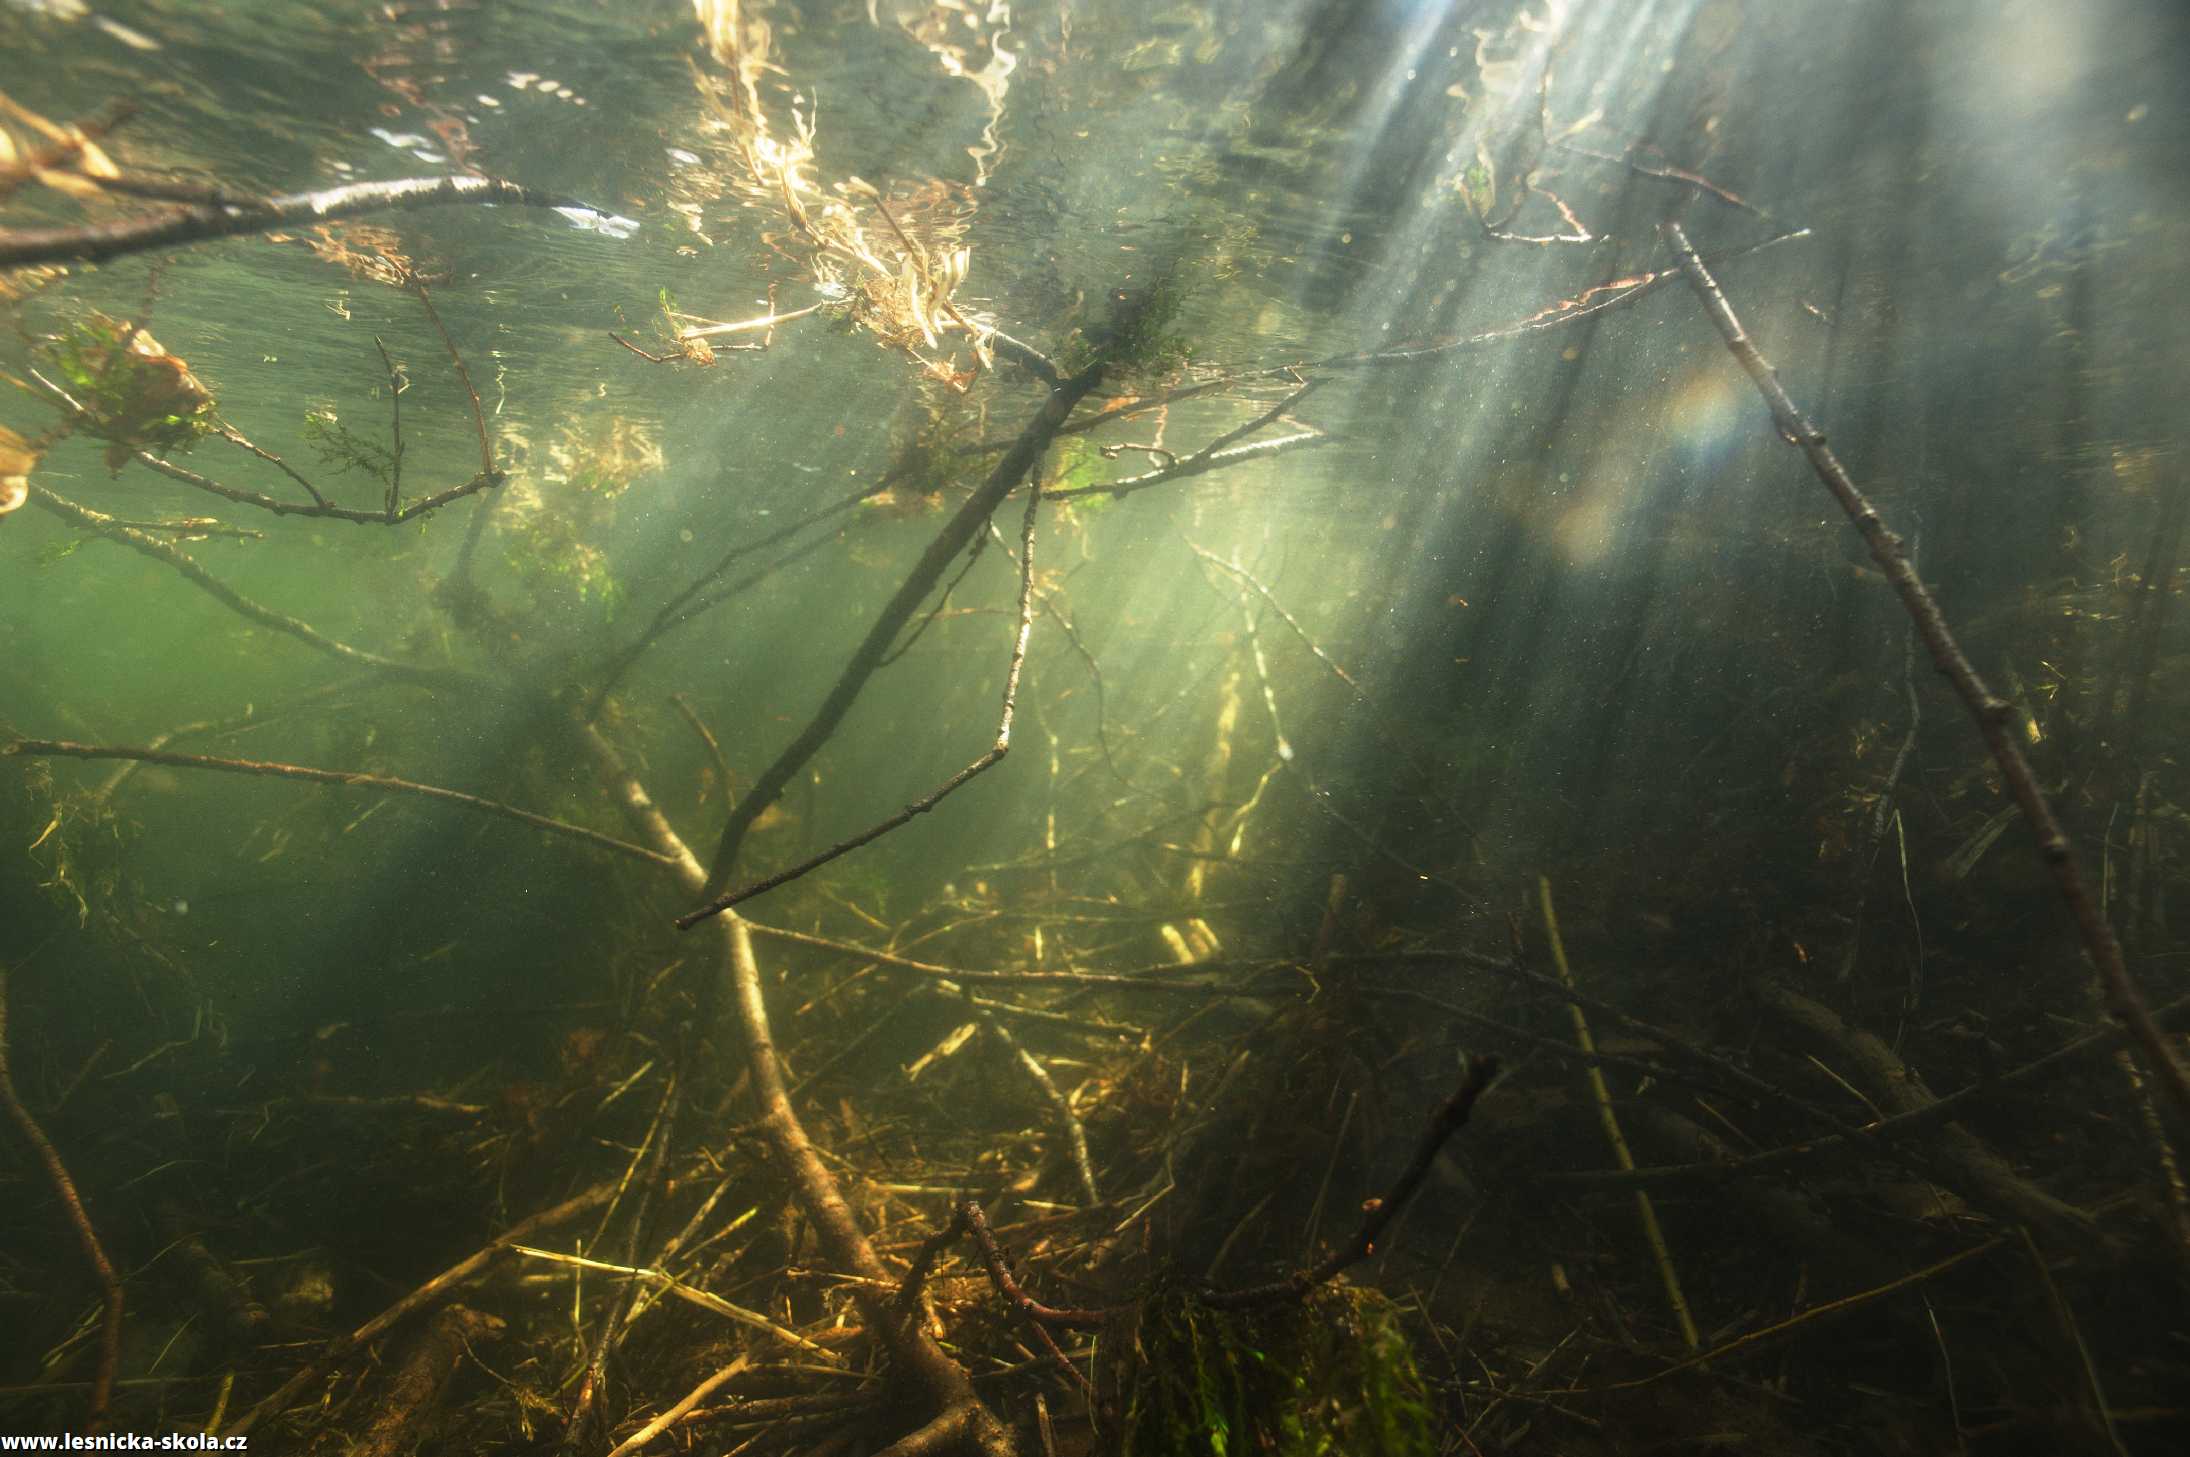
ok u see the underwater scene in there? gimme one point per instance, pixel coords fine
(1095, 728)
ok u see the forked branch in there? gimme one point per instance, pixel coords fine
(955, 536)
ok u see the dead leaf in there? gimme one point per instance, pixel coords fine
(17, 460)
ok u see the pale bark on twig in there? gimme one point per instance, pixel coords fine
(960, 1414)
(95, 242)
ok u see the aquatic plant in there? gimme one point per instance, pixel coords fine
(134, 394)
(344, 449)
(559, 505)
(1138, 333)
(1334, 1374)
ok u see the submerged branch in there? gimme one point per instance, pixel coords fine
(416, 1300)
(1991, 713)
(348, 778)
(1162, 978)
(463, 376)
(104, 525)
(327, 511)
(1377, 1214)
(233, 436)
(1940, 1109)
(1075, 1132)
(959, 1411)
(1613, 293)
(672, 613)
(94, 242)
(955, 536)
(1601, 298)
(1198, 465)
(956, 782)
(396, 385)
(320, 507)
(64, 1188)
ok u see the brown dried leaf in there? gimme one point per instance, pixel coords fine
(17, 460)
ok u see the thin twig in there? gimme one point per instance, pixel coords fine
(99, 241)
(1157, 978)
(1232, 437)
(2101, 1410)
(1075, 1134)
(194, 528)
(678, 1411)
(396, 385)
(274, 504)
(767, 321)
(463, 374)
(1667, 172)
(72, 1204)
(955, 536)
(999, 1268)
(1883, 1130)
(1377, 1214)
(909, 1293)
(1283, 616)
(672, 614)
(348, 778)
(948, 787)
(1197, 465)
(104, 525)
(243, 442)
(707, 737)
(1793, 1323)
(704, 1299)
(1590, 302)
(417, 1299)
(1039, 1317)
(1991, 713)
(960, 1412)
(1646, 1211)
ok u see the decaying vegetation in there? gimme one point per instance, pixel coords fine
(1102, 1201)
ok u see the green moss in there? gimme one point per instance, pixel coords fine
(1142, 335)
(1333, 1375)
(1078, 463)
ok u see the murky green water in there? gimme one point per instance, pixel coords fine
(1542, 592)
